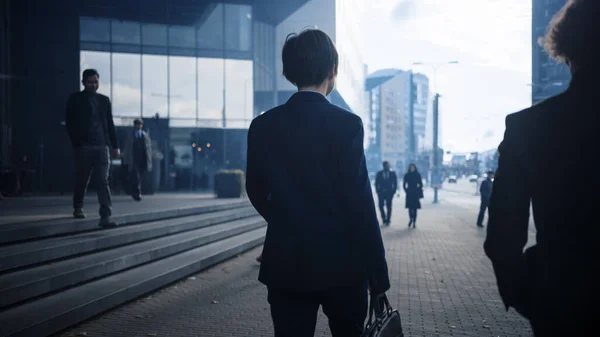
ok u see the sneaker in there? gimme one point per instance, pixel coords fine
(78, 213)
(106, 222)
(137, 197)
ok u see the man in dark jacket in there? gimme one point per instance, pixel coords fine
(485, 190)
(307, 177)
(386, 184)
(137, 157)
(555, 282)
(89, 122)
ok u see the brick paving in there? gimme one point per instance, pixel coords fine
(442, 284)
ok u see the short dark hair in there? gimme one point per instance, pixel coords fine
(89, 73)
(385, 163)
(573, 33)
(490, 172)
(138, 121)
(308, 57)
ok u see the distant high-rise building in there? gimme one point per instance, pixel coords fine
(548, 77)
(390, 131)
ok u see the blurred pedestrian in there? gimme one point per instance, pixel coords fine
(485, 191)
(554, 283)
(137, 157)
(386, 184)
(413, 186)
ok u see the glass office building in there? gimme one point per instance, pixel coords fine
(196, 71)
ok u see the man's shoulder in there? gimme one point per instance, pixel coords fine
(543, 109)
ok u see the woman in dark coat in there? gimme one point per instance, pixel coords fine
(413, 186)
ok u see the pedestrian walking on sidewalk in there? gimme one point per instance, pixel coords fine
(553, 283)
(413, 188)
(91, 129)
(386, 184)
(306, 175)
(485, 191)
(137, 157)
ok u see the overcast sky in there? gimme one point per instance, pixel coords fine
(490, 38)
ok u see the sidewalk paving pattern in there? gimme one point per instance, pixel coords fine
(442, 284)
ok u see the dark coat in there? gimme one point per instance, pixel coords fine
(128, 155)
(307, 177)
(386, 188)
(78, 119)
(556, 280)
(413, 186)
(485, 190)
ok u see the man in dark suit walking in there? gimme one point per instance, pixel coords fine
(137, 157)
(90, 125)
(386, 184)
(307, 177)
(555, 282)
(485, 190)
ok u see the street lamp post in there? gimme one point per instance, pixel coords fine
(436, 179)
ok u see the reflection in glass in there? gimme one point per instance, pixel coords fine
(182, 36)
(210, 92)
(154, 35)
(125, 32)
(239, 98)
(127, 95)
(210, 32)
(101, 62)
(94, 30)
(238, 27)
(155, 84)
(182, 81)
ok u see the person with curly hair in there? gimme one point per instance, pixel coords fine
(553, 283)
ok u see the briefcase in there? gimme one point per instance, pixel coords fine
(386, 325)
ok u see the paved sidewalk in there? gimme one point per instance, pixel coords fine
(442, 284)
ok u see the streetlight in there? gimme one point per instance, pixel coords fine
(436, 179)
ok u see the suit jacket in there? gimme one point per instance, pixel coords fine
(128, 155)
(306, 175)
(384, 187)
(78, 119)
(543, 147)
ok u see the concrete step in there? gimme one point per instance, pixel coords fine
(26, 284)
(10, 233)
(56, 312)
(35, 252)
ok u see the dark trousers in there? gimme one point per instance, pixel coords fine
(385, 200)
(482, 209)
(294, 314)
(92, 162)
(412, 214)
(135, 180)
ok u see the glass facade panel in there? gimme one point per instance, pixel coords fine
(239, 95)
(101, 62)
(155, 86)
(182, 37)
(94, 30)
(154, 35)
(126, 90)
(182, 86)
(209, 29)
(210, 92)
(125, 32)
(238, 27)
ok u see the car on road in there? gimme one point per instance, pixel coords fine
(473, 178)
(452, 180)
